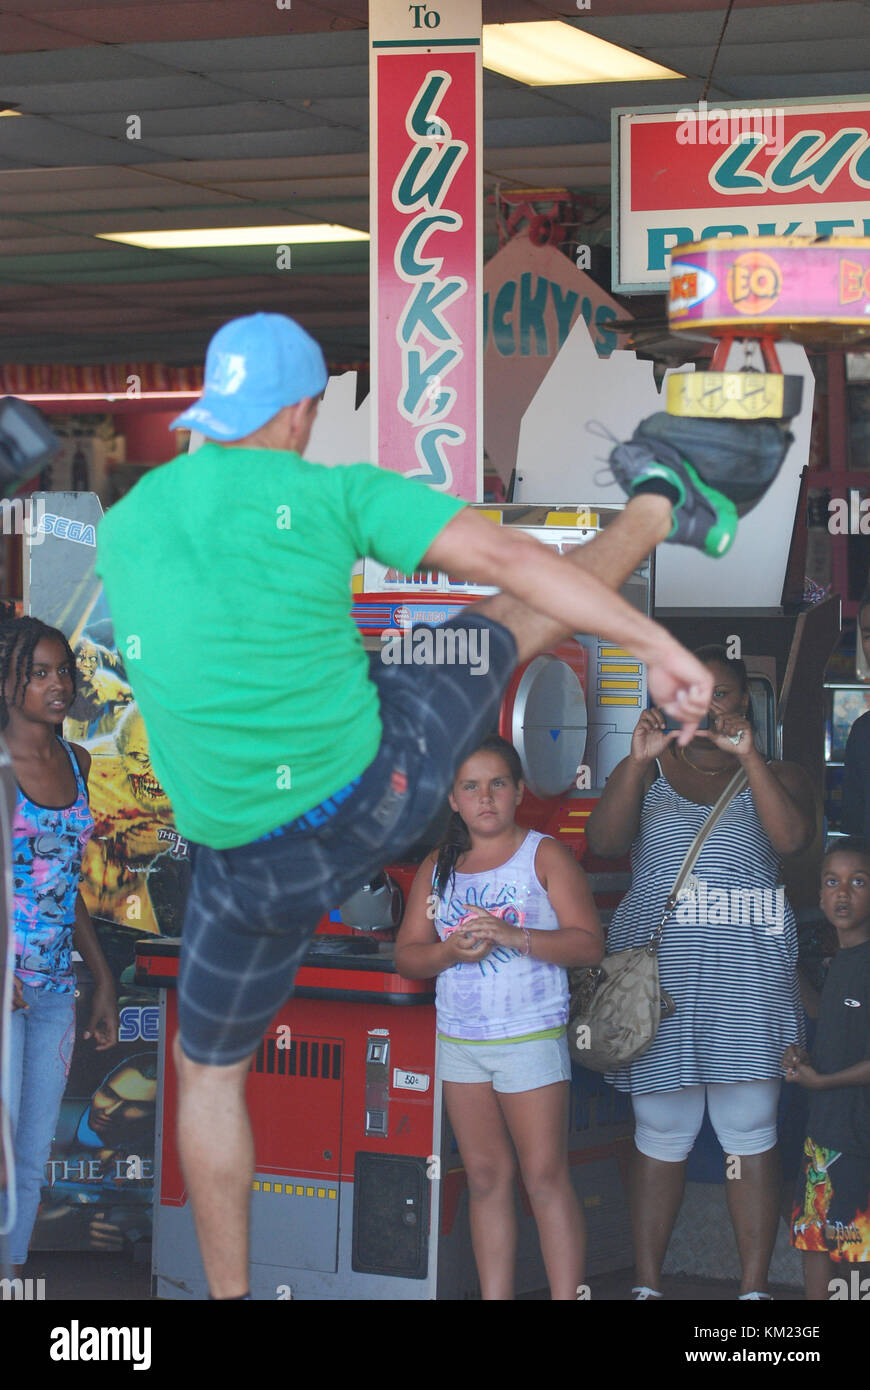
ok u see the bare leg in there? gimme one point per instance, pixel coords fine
(819, 1269)
(538, 1122)
(657, 1192)
(218, 1174)
(486, 1151)
(612, 556)
(753, 1201)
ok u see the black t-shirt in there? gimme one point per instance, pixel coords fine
(839, 1118)
(855, 811)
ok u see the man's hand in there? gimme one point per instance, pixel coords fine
(681, 686)
(18, 995)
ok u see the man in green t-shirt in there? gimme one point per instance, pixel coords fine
(296, 766)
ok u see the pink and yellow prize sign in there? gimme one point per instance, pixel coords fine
(807, 290)
(426, 254)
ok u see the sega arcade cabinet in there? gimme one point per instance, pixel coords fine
(359, 1191)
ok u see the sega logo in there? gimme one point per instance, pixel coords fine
(67, 528)
(140, 1022)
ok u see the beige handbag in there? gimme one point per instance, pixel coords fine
(616, 1007)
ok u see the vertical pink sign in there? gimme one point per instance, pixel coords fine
(427, 263)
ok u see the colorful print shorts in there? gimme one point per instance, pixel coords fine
(832, 1204)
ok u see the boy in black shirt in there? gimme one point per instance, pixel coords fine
(831, 1217)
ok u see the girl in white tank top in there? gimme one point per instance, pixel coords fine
(497, 914)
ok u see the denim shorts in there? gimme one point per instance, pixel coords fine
(509, 1066)
(252, 910)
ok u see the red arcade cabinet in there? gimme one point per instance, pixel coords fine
(359, 1191)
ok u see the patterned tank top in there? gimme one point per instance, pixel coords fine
(507, 994)
(47, 847)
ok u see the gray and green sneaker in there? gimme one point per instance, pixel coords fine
(714, 471)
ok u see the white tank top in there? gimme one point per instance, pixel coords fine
(505, 995)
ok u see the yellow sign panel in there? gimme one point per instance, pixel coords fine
(733, 395)
(585, 518)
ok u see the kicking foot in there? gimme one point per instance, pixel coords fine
(713, 471)
(641, 1294)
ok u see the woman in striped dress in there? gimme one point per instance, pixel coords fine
(727, 958)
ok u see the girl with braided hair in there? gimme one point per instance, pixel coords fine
(51, 827)
(496, 914)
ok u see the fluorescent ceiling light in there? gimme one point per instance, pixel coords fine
(553, 54)
(299, 234)
(41, 397)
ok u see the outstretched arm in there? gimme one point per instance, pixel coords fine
(554, 595)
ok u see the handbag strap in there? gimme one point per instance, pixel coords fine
(734, 788)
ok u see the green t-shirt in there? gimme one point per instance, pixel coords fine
(227, 573)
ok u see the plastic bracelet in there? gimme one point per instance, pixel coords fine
(528, 950)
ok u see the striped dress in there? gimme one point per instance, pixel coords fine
(729, 959)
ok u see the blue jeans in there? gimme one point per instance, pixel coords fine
(41, 1046)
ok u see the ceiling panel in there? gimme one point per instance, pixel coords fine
(193, 19)
(33, 140)
(278, 54)
(19, 35)
(229, 118)
(318, 140)
(133, 94)
(823, 84)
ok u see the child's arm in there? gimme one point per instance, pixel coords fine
(806, 1075)
(103, 1023)
(578, 939)
(419, 952)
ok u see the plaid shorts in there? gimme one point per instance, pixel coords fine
(252, 910)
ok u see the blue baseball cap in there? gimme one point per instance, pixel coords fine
(253, 368)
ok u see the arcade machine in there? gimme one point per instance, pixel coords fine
(359, 1192)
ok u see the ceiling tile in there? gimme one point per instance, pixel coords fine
(130, 95)
(318, 141)
(195, 19)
